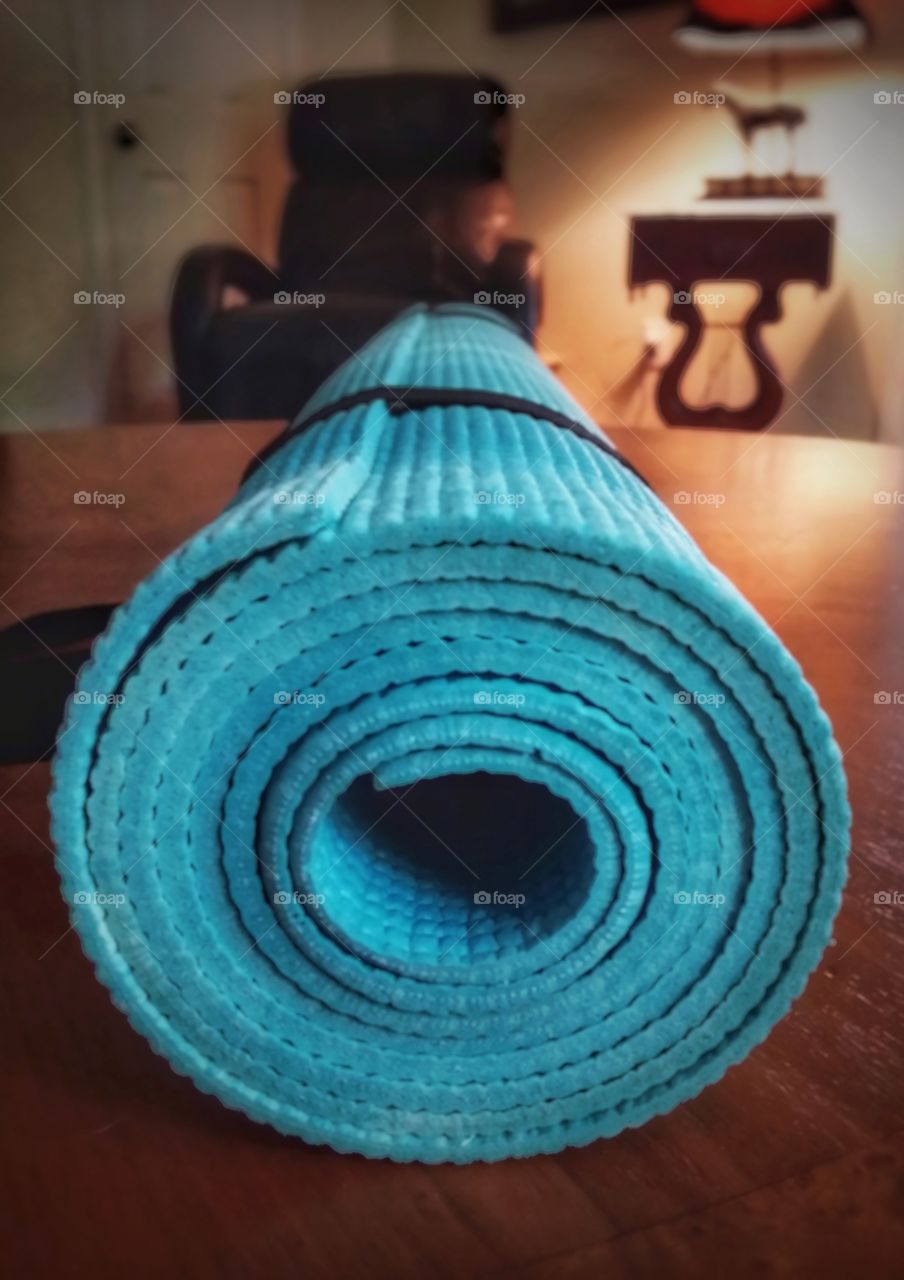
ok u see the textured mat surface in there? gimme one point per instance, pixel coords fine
(440, 800)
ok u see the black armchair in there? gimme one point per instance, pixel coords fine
(400, 198)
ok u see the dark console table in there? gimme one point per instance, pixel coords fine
(766, 250)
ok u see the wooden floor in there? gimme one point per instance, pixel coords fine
(791, 1166)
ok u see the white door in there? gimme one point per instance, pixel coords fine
(191, 151)
(134, 130)
(46, 342)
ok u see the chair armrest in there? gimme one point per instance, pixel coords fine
(514, 278)
(202, 277)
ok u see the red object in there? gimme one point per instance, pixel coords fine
(761, 13)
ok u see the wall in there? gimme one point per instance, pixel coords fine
(599, 138)
(83, 216)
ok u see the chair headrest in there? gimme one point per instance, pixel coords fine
(399, 125)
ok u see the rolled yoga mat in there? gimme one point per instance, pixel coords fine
(440, 801)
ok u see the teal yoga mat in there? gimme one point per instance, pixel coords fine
(440, 800)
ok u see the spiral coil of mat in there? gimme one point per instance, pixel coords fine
(440, 801)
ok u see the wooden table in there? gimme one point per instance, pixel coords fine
(791, 1165)
(768, 250)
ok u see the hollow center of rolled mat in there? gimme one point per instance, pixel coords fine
(457, 870)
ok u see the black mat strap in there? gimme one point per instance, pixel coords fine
(401, 399)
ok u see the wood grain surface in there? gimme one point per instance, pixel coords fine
(791, 1166)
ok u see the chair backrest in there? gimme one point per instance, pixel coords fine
(383, 162)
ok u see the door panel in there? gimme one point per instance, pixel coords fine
(46, 340)
(185, 159)
(105, 212)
